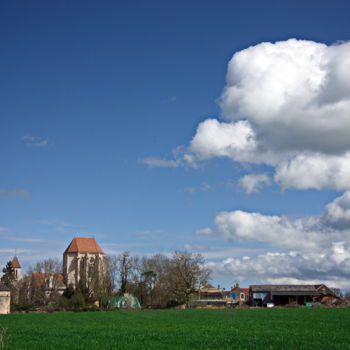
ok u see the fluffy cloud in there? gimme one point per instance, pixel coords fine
(295, 93)
(287, 105)
(308, 234)
(279, 231)
(310, 248)
(215, 139)
(337, 213)
(254, 182)
(291, 267)
(315, 171)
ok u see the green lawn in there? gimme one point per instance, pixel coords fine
(181, 329)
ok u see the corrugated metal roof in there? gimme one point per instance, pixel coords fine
(284, 288)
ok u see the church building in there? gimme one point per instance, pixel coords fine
(83, 260)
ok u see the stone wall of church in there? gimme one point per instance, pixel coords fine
(82, 265)
(5, 302)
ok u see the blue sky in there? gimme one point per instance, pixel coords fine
(91, 90)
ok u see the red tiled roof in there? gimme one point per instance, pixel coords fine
(15, 263)
(42, 278)
(42, 275)
(245, 290)
(83, 245)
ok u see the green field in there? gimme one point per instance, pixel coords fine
(181, 329)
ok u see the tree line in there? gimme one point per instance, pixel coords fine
(158, 281)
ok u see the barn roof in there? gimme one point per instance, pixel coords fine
(286, 289)
(15, 263)
(83, 245)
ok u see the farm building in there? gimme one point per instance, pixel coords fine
(217, 297)
(261, 295)
(239, 295)
(210, 297)
(5, 299)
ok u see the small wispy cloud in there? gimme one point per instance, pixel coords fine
(194, 189)
(253, 183)
(14, 251)
(158, 162)
(205, 231)
(56, 223)
(35, 141)
(7, 235)
(196, 247)
(169, 100)
(15, 193)
(150, 232)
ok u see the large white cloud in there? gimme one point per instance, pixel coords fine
(295, 93)
(291, 267)
(307, 234)
(287, 105)
(310, 248)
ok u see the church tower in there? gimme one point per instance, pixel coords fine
(84, 261)
(17, 268)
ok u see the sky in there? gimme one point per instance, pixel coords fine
(216, 127)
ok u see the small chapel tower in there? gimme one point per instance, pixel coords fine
(83, 260)
(17, 268)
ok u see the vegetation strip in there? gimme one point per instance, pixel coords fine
(181, 329)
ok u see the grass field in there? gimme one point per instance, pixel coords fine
(181, 329)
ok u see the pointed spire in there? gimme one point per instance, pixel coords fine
(15, 263)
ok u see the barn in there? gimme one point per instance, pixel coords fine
(279, 295)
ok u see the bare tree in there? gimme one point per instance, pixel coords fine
(186, 272)
(47, 266)
(125, 263)
(111, 273)
(154, 280)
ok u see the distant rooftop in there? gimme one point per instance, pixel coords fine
(83, 245)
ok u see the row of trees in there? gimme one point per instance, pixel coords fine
(157, 281)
